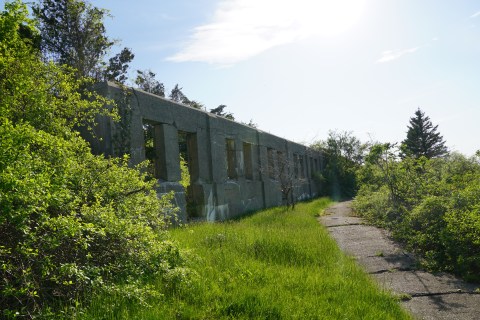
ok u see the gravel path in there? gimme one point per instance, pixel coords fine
(436, 297)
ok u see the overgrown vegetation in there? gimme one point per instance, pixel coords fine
(432, 205)
(428, 198)
(75, 226)
(70, 222)
(275, 264)
(343, 155)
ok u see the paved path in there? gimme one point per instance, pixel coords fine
(435, 297)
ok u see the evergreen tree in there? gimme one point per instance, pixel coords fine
(423, 138)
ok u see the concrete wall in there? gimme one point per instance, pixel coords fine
(233, 167)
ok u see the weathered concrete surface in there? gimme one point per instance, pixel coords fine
(438, 296)
(234, 168)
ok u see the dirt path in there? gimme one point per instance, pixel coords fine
(435, 297)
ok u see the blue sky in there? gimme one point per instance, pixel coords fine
(300, 68)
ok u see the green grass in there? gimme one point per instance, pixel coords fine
(275, 264)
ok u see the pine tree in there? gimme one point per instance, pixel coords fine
(423, 138)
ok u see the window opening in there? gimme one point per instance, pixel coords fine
(187, 146)
(231, 167)
(149, 146)
(301, 166)
(271, 163)
(247, 160)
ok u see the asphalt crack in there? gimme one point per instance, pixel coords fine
(395, 269)
(432, 294)
(345, 225)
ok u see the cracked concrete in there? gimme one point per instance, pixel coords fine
(432, 296)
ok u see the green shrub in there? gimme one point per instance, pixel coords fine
(342, 156)
(463, 227)
(424, 231)
(432, 205)
(71, 223)
(376, 206)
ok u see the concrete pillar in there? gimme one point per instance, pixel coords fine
(137, 140)
(167, 151)
(204, 156)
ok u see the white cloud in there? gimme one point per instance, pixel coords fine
(389, 55)
(244, 28)
(477, 14)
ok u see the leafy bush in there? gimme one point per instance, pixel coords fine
(343, 154)
(424, 231)
(432, 205)
(376, 206)
(70, 222)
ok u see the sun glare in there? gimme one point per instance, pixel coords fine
(329, 17)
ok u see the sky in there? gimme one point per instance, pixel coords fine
(299, 68)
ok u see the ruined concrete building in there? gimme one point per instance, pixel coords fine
(233, 168)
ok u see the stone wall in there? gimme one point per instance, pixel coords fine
(233, 167)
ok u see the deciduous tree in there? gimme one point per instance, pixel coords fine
(343, 154)
(73, 33)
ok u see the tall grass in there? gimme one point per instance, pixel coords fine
(275, 264)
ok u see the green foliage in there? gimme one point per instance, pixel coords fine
(423, 138)
(185, 174)
(70, 222)
(146, 81)
(343, 155)
(220, 112)
(46, 96)
(250, 123)
(432, 205)
(73, 33)
(118, 66)
(177, 95)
